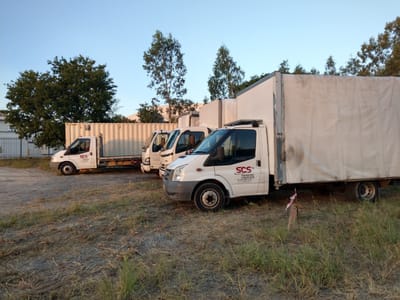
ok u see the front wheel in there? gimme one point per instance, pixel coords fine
(67, 169)
(366, 191)
(209, 197)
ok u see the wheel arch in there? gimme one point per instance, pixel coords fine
(67, 162)
(215, 181)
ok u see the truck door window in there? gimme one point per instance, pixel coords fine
(79, 146)
(189, 140)
(159, 143)
(238, 146)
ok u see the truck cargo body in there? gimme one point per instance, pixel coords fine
(298, 129)
(217, 113)
(328, 128)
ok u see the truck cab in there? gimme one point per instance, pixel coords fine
(181, 141)
(151, 154)
(231, 162)
(81, 154)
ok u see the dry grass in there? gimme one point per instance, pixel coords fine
(130, 242)
(41, 163)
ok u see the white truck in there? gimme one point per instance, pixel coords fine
(181, 141)
(306, 129)
(101, 145)
(151, 154)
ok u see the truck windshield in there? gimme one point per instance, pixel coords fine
(211, 142)
(172, 138)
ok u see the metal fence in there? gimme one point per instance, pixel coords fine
(20, 148)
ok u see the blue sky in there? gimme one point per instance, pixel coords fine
(259, 35)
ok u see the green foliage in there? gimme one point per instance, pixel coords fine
(299, 70)
(149, 113)
(252, 80)
(73, 91)
(379, 56)
(163, 62)
(226, 78)
(284, 67)
(117, 118)
(330, 67)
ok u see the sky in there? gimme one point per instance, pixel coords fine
(259, 34)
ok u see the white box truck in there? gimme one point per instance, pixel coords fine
(100, 145)
(151, 154)
(181, 141)
(307, 129)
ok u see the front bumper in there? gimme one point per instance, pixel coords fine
(145, 168)
(178, 190)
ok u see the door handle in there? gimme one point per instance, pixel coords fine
(258, 163)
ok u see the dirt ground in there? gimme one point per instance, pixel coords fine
(69, 237)
(23, 188)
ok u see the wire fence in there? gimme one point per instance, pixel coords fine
(21, 148)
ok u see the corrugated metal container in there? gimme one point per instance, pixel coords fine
(119, 139)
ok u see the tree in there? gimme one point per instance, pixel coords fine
(330, 67)
(163, 62)
(253, 79)
(284, 67)
(117, 118)
(380, 56)
(150, 113)
(227, 76)
(299, 70)
(73, 91)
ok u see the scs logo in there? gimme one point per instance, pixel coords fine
(243, 170)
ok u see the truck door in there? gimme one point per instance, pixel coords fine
(156, 147)
(82, 153)
(239, 163)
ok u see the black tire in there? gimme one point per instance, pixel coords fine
(366, 191)
(209, 197)
(67, 169)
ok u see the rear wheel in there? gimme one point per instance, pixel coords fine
(209, 197)
(67, 169)
(366, 191)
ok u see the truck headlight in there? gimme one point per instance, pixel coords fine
(178, 173)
